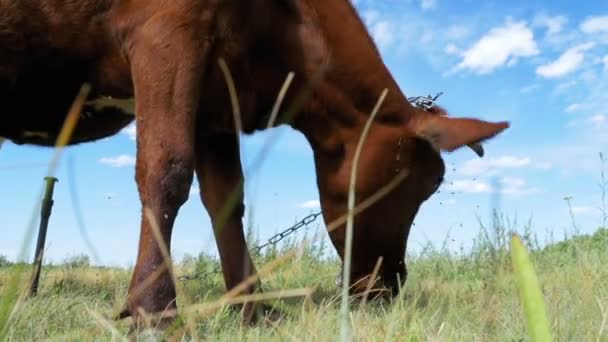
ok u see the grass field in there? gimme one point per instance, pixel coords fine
(448, 297)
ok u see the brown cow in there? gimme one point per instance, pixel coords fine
(165, 54)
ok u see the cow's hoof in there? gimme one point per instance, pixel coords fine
(361, 288)
(125, 313)
(258, 313)
(147, 323)
(272, 315)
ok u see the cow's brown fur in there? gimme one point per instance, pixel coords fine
(165, 54)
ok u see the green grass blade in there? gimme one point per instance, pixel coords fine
(344, 329)
(529, 292)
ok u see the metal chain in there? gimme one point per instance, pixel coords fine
(424, 102)
(272, 241)
(280, 236)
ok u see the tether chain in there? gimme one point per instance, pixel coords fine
(424, 102)
(272, 241)
(280, 236)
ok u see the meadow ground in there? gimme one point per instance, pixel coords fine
(448, 297)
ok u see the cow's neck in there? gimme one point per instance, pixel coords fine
(356, 63)
(354, 80)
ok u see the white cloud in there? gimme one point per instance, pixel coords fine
(573, 108)
(452, 49)
(568, 62)
(383, 33)
(370, 17)
(457, 32)
(427, 37)
(598, 120)
(515, 186)
(194, 190)
(484, 168)
(563, 86)
(492, 165)
(582, 210)
(510, 186)
(311, 204)
(605, 61)
(553, 24)
(130, 130)
(472, 186)
(118, 161)
(529, 88)
(593, 97)
(543, 165)
(556, 24)
(588, 76)
(513, 182)
(595, 24)
(501, 46)
(428, 4)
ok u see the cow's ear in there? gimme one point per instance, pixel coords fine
(448, 134)
(476, 146)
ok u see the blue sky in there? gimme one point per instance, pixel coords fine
(541, 65)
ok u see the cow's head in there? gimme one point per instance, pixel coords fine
(404, 142)
(400, 167)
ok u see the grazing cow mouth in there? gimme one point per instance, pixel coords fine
(381, 282)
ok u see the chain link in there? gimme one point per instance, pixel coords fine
(272, 241)
(280, 236)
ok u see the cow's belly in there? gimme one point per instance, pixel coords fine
(35, 105)
(45, 59)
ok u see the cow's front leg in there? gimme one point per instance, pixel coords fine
(221, 184)
(166, 59)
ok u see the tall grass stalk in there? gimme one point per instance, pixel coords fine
(234, 100)
(568, 200)
(344, 330)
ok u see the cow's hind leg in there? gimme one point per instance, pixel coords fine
(167, 88)
(218, 168)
